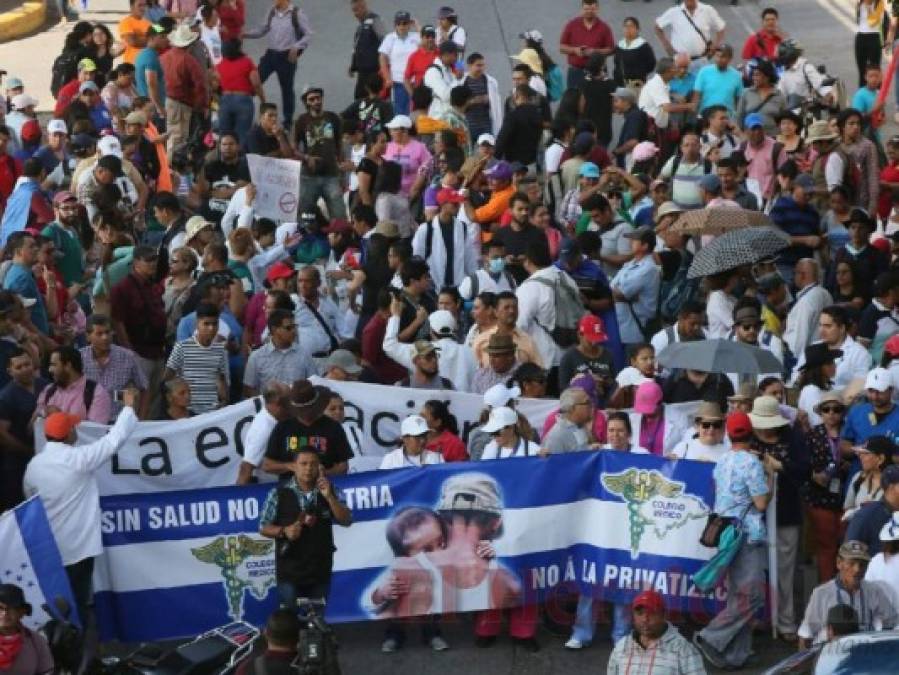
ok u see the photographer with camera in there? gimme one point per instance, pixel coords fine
(299, 516)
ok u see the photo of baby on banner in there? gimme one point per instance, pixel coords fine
(445, 559)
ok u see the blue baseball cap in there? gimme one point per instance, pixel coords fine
(589, 170)
(753, 120)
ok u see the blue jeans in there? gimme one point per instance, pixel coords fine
(326, 187)
(400, 100)
(574, 78)
(583, 628)
(277, 62)
(236, 113)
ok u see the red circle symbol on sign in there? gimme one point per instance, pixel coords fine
(288, 203)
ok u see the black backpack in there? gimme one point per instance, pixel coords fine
(65, 69)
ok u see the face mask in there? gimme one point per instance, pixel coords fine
(497, 265)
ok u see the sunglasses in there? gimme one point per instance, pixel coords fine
(750, 326)
(717, 424)
(831, 409)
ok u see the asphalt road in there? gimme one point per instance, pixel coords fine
(493, 26)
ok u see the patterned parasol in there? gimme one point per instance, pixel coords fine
(736, 248)
(718, 221)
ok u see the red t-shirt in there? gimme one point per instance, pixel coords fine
(450, 446)
(232, 20)
(889, 174)
(761, 45)
(576, 34)
(235, 74)
(418, 63)
(66, 95)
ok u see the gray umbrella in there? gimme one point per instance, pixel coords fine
(719, 356)
(737, 247)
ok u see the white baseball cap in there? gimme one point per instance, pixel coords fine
(489, 139)
(400, 122)
(499, 419)
(414, 425)
(57, 127)
(23, 101)
(442, 322)
(499, 395)
(878, 379)
(110, 145)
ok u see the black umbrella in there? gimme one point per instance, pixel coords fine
(719, 356)
(736, 248)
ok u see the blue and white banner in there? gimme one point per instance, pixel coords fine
(30, 559)
(464, 537)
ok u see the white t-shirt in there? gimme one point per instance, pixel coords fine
(885, 572)
(654, 94)
(634, 449)
(552, 158)
(398, 50)
(693, 449)
(720, 312)
(524, 448)
(397, 459)
(257, 437)
(683, 36)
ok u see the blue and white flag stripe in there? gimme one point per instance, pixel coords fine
(30, 559)
(607, 528)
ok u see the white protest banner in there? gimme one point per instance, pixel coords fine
(205, 451)
(277, 184)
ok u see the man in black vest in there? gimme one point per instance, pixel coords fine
(299, 516)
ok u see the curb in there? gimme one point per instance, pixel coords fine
(23, 20)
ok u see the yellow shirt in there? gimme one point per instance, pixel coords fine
(131, 26)
(771, 321)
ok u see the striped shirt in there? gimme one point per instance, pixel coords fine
(201, 368)
(685, 182)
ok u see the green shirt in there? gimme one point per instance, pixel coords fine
(242, 272)
(69, 254)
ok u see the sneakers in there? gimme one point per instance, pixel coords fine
(389, 646)
(438, 644)
(574, 644)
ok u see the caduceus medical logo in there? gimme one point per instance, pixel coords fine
(653, 502)
(246, 564)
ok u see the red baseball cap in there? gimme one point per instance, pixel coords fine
(592, 328)
(338, 226)
(59, 425)
(280, 270)
(449, 196)
(891, 346)
(882, 244)
(62, 197)
(651, 601)
(738, 425)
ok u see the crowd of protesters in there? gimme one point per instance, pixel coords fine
(453, 236)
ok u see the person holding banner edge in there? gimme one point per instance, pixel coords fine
(63, 475)
(744, 484)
